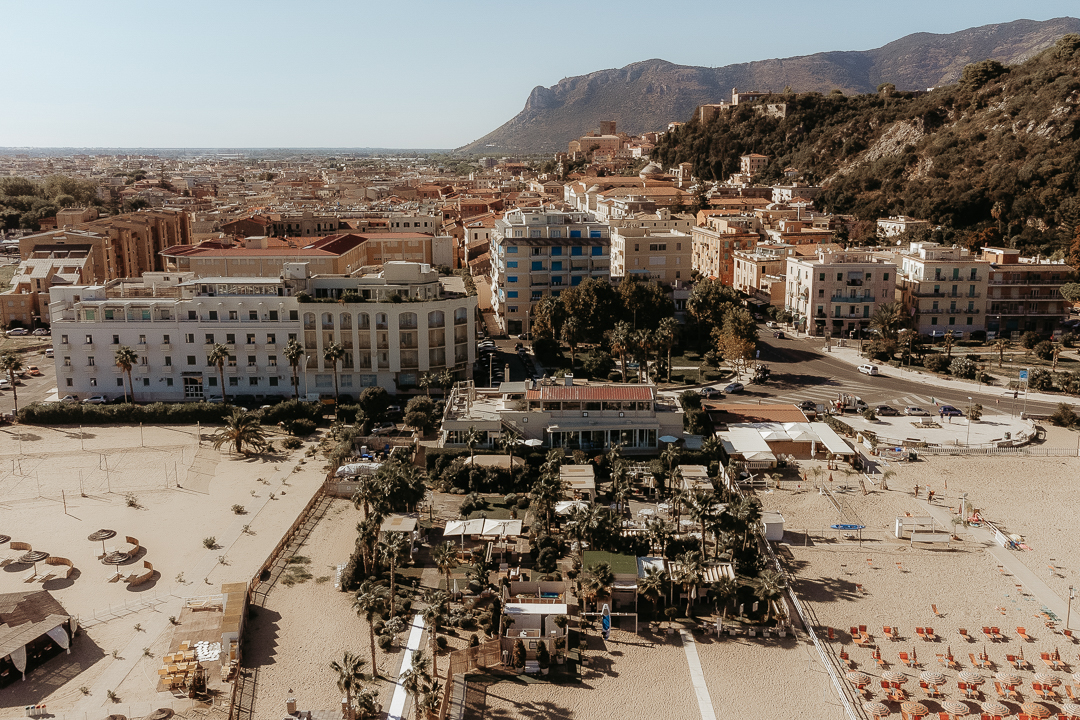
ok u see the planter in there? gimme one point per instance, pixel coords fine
(544, 671)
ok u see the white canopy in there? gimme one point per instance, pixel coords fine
(832, 442)
(482, 526)
(800, 432)
(357, 469)
(564, 507)
(746, 440)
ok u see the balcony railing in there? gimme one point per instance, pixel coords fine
(842, 299)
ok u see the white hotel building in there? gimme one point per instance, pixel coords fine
(394, 326)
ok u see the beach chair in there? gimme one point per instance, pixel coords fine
(854, 631)
(905, 659)
(925, 687)
(1051, 693)
(1012, 693)
(930, 636)
(163, 672)
(989, 635)
(1038, 688)
(921, 633)
(963, 687)
(999, 690)
(890, 632)
(1047, 660)
(862, 630)
(1068, 634)
(1013, 660)
(964, 634)
(832, 636)
(1022, 632)
(974, 662)
(996, 632)
(847, 660)
(944, 716)
(1069, 692)
(934, 608)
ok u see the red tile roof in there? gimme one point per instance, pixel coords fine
(556, 393)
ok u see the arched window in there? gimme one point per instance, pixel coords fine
(407, 320)
(435, 318)
(345, 321)
(461, 316)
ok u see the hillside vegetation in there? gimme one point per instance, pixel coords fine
(995, 157)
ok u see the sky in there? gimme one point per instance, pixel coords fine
(398, 74)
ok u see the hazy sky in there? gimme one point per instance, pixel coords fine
(404, 73)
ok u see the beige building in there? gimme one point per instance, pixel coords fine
(899, 224)
(664, 256)
(714, 251)
(943, 288)
(753, 164)
(761, 273)
(835, 294)
(1023, 293)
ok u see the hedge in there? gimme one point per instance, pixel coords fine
(159, 413)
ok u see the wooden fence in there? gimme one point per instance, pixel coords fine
(486, 654)
(1026, 451)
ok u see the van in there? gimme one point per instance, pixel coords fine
(868, 369)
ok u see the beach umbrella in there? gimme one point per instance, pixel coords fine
(1007, 678)
(955, 707)
(914, 709)
(115, 558)
(859, 678)
(534, 442)
(4, 539)
(995, 708)
(970, 676)
(1071, 709)
(894, 676)
(1047, 679)
(1036, 710)
(877, 709)
(932, 677)
(101, 536)
(1076, 677)
(669, 439)
(34, 556)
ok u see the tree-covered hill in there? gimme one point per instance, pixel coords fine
(994, 158)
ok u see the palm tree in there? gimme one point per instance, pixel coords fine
(769, 586)
(658, 530)
(701, 507)
(390, 551)
(1000, 344)
(597, 582)
(435, 606)
(666, 333)
(293, 352)
(417, 680)
(571, 335)
(331, 354)
(370, 601)
(670, 456)
(241, 428)
(125, 360)
(218, 356)
(472, 437)
(580, 524)
(691, 574)
(947, 342)
(725, 589)
(446, 559)
(426, 381)
(643, 344)
(887, 319)
(620, 343)
(11, 363)
(746, 512)
(546, 491)
(652, 585)
(349, 676)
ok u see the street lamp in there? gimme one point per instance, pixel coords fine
(968, 443)
(1068, 610)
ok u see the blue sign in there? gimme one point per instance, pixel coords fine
(1023, 375)
(605, 623)
(847, 527)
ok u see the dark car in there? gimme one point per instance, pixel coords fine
(734, 388)
(710, 393)
(949, 411)
(779, 334)
(886, 410)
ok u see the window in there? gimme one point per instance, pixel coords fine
(271, 339)
(968, 321)
(110, 314)
(168, 382)
(556, 234)
(168, 361)
(575, 251)
(821, 277)
(272, 361)
(63, 340)
(839, 277)
(253, 314)
(657, 247)
(250, 339)
(273, 315)
(70, 382)
(190, 359)
(213, 314)
(885, 276)
(93, 382)
(209, 338)
(230, 338)
(189, 337)
(556, 251)
(253, 381)
(512, 294)
(251, 361)
(537, 265)
(294, 315)
(511, 308)
(67, 361)
(575, 233)
(821, 292)
(232, 361)
(933, 321)
(556, 266)
(952, 321)
(537, 251)
(596, 250)
(511, 278)
(146, 382)
(89, 340)
(119, 382)
(636, 247)
(234, 382)
(115, 339)
(273, 382)
(211, 381)
(678, 246)
(232, 315)
(90, 361)
(165, 339)
(511, 249)
(511, 263)
(192, 315)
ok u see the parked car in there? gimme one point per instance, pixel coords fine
(734, 388)
(95, 400)
(33, 370)
(916, 411)
(771, 324)
(779, 334)
(949, 411)
(215, 399)
(49, 352)
(14, 332)
(69, 399)
(4, 384)
(525, 336)
(868, 369)
(384, 428)
(886, 410)
(40, 332)
(710, 393)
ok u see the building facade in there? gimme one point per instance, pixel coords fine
(714, 251)
(1023, 294)
(943, 289)
(393, 327)
(836, 294)
(539, 253)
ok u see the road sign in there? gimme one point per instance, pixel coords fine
(1023, 375)
(848, 527)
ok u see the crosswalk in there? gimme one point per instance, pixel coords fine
(873, 396)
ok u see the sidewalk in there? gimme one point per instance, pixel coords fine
(850, 355)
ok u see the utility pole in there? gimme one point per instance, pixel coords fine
(968, 443)
(1068, 611)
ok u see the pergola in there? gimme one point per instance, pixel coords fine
(27, 616)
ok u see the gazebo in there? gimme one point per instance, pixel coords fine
(30, 623)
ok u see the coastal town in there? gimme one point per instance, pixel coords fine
(346, 434)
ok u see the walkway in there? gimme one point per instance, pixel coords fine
(1007, 559)
(397, 704)
(704, 701)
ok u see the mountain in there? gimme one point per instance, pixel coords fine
(648, 95)
(991, 159)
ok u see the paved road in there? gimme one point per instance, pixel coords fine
(802, 371)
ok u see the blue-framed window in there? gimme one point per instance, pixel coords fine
(511, 278)
(512, 294)
(575, 251)
(556, 266)
(597, 250)
(511, 263)
(538, 265)
(595, 234)
(511, 248)
(575, 233)
(575, 280)
(555, 251)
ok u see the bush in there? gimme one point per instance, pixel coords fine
(209, 542)
(123, 414)
(238, 510)
(1068, 340)
(517, 659)
(1044, 350)
(546, 350)
(474, 640)
(302, 427)
(597, 364)
(420, 414)
(1030, 339)
(963, 367)
(441, 643)
(935, 363)
(384, 642)
(1064, 416)
(1040, 379)
(291, 410)
(291, 443)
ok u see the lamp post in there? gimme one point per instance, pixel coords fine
(968, 443)
(1068, 610)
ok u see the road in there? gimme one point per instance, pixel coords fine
(801, 371)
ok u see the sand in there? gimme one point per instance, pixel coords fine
(170, 524)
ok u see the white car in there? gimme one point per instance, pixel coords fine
(17, 331)
(771, 324)
(69, 399)
(49, 352)
(40, 332)
(868, 369)
(95, 400)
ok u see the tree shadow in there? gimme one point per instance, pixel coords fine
(260, 644)
(825, 590)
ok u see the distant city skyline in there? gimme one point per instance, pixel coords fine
(368, 75)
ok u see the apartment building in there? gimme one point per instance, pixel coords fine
(714, 250)
(943, 288)
(836, 293)
(538, 253)
(393, 326)
(899, 224)
(760, 273)
(1023, 293)
(664, 256)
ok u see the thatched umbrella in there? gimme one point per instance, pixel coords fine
(1036, 710)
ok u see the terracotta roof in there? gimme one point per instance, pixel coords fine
(556, 393)
(742, 413)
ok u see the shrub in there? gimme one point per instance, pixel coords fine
(517, 659)
(1064, 416)
(690, 399)
(474, 640)
(291, 443)
(1030, 339)
(1044, 350)
(131, 500)
(935, 363)
(238, 510)
(1040, 379)
(209, 542)
(302, 427)
(963, 367)
(385, 641)
(291, 410)
(441, 643)
(510, 500)
(546, 350)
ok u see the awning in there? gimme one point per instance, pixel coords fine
(482, 526)
(832, 442)
(59, 635)
(357, 469)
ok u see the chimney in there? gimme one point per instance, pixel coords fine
(568, 380)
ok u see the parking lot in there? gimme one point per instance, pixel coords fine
(499, 361)
(30, 388)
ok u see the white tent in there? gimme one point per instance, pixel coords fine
(564, 507)
(464, 527)
(482, 526)
(832, 442)
(357, 469)
(800, 432)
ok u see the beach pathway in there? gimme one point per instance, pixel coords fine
(697, 677)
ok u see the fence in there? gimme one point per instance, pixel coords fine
(1026, 451)
(486, 654)
(112, 613)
